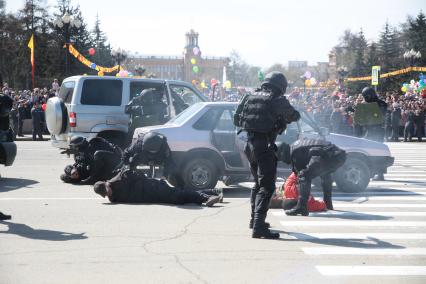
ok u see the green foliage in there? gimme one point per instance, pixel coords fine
(35, 18)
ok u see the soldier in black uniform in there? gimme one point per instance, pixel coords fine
(264, 115)
(152, 149)
(94, 160)
(5, 106)
(146, 109)
(375, 132)
(130, 186)
(312, 158)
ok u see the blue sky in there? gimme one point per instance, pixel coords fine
(263, 32)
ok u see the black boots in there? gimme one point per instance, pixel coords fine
(302, 204)
(4, 216)
(253, 194)
(327, 185)
(267, 225)
(260, 227)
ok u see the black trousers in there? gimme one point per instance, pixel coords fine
(104, 163)
(37, 131)
(323, 167)
(158, 191)
(262, 158)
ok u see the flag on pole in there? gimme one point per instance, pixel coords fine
(31, 46)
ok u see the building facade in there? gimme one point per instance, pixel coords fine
(190, 66)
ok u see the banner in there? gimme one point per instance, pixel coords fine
(89, 63)
(390, 74)
(31, 46)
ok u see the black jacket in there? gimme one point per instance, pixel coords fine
(267, 112)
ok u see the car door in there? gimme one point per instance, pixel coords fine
(224, 138)
(136, 87)
(182, 97)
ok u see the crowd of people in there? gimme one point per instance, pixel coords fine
(404, 117)
(29, 104)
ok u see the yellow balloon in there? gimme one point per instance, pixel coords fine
(193, 61)
(307, 82)
(228, 84)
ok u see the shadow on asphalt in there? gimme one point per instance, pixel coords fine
(39, 234)
(352, 243)
(352, 216)
(9, 184)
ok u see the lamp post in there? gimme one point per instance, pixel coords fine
(342, 72)
(66, 23)
(139, 69)
(119, 55)
(411, 56)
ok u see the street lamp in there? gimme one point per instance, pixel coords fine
(412, 56)
(67, 22)
(119, 55)
(342, 72)
(140, 69)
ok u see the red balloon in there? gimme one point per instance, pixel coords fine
(213, 81)
(91, 51)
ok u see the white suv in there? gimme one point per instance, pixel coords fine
(93, 106)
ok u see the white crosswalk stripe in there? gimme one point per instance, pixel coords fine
(387, 220)
(355, 270)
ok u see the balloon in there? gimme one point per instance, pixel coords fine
(193, 61)
(313, 81)
(92, 51)
(307, 83)
(195, 69)
(307, 75)
(412, 82)
(213, 81)
(194, 82)
(404, 89)
(100, 73)
(227, 84)
(130, 74)
(421, 76)
(93, 65)
(195, 50)
(203, 85)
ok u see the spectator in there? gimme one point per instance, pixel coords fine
(37, 116)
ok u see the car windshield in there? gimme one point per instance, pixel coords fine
(183, 116)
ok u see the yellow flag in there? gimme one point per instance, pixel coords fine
(31, 46)
(31, 42)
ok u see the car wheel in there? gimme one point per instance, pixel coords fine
(200, 174)
(353, 176)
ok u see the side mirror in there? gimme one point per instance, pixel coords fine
(324, 131)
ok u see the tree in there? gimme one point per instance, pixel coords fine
(414, 34)
(389, 50)
(102, 48)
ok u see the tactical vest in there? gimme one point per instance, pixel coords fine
(258, 115)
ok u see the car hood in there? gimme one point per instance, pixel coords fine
(163, 129)
(361, 145)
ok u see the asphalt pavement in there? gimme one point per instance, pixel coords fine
(63, 233)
